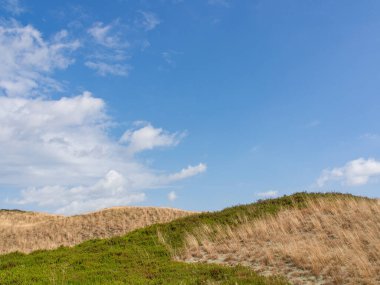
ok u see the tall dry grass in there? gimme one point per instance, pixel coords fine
(29, 231)
(328, 242)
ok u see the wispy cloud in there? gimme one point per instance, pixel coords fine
(104, 69)
(188, 172)
(111, 45)
(27, 59)
(107, 35)
(169, 57)
(353, 173)
(148, 20)
(13, 6)
(109, 54)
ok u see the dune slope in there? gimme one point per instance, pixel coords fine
(330, 241)
(29, 231)
(308, 238)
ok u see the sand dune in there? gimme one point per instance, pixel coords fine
(30, 231)
(329, 242)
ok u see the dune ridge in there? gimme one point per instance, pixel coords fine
(330, 241)
(29, 231)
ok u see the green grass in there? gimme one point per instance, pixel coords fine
(139, 257)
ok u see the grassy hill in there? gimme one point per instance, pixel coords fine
(155, 255)
(331, 240)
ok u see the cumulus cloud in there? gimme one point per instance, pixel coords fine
(47, 141)
(172, 196)
(112, 190)
(48, 147)
(268, 194)
(148, 137)
(353, 173)
(60, 151)
(27, 59)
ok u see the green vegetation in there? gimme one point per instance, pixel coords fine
(137, 258)
(174, 232)
(140, 258)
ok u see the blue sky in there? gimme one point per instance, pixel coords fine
(190, 104)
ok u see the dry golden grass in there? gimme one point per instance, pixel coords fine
(29, 231)
(328, 242)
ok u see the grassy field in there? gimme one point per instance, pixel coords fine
(145, 256)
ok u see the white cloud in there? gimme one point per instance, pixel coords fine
(110, 50)
(27, 59)
(167, 56)
(355, 172)
(112, 190)
(117, 55)
(48, 146)
(170, 57)
(172, 196)
(60, 151)
(148, 137)
(188, 172)
(49, 140)
(149, 20)
(104, 69)
(268, 194)
(107, 35)
(12, 6)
